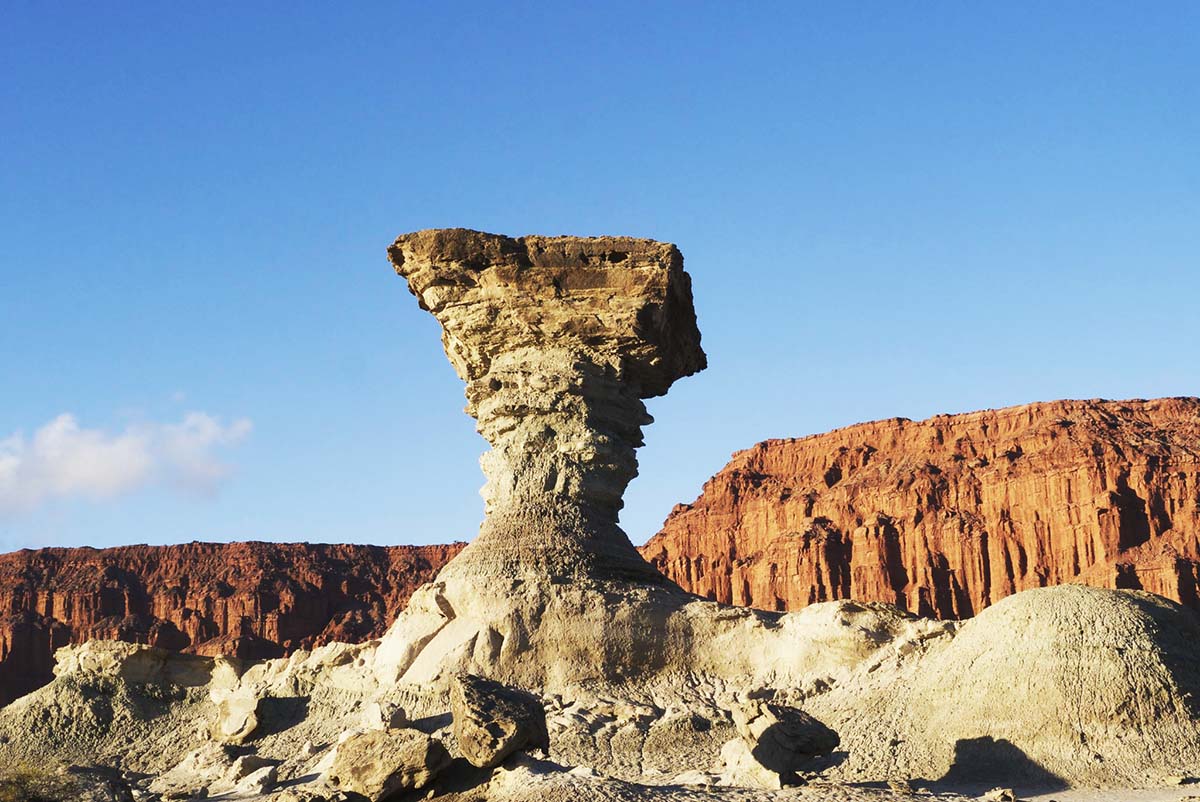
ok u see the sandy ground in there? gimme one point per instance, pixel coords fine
(1171, 794)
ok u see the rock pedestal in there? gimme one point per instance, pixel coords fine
(558, 339)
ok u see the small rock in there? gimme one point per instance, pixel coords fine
(258, 781)
(694, 778)
(194, 771)
(741, 768)
(383, 716)
(242, 768)
(492, 721)
(999, 795)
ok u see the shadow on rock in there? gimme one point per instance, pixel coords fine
(276, 714)
(990, 761)
(793, 740)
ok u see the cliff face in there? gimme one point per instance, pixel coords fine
(948, 515)
(251, 600)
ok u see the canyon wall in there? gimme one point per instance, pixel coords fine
(948, 515)
(250, 600)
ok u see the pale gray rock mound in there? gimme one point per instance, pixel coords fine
(1059, 686)
(492, 721)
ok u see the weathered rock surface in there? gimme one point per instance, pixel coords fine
(250, 600)
(491, 721)
(1069, 685)
(378, 764)
(558, 339)
(237, 719)
(948, 515)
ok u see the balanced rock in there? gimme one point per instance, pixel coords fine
(379, 763)
(558, 339)
(492, 721)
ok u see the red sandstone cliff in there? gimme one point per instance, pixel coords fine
(251, 600)
(948, 515)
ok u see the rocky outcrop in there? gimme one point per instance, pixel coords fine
(558, 339)
(249, 600)
(948, 515)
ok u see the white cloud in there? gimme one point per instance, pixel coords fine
(62, 461)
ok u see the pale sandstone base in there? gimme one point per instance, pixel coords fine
(1051, 688)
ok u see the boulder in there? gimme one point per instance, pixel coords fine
(492, 721)
(258, 781)
(379, 763)
(237, 718)
(782, 738)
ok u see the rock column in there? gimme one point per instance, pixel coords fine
(558, 339)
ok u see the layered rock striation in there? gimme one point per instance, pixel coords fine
(948, 515)
(558, 340)
(249, 600)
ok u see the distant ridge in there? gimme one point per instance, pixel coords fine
(948, 515)
(250, 600)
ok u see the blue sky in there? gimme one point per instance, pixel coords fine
(887, 209)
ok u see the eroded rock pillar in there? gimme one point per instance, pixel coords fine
(558, 339)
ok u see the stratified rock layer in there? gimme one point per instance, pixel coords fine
(249, 600)
(558, 339)
(948, 515)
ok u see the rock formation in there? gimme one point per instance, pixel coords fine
(558, 339)
(637, 689)
(948, 515)
(249, 600)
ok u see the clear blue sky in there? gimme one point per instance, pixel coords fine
(887, 209)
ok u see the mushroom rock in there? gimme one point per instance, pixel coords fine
(558, 339)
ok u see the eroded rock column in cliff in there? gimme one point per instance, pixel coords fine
(558, 339)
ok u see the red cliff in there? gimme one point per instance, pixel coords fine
(948, 515)
(251, 600)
